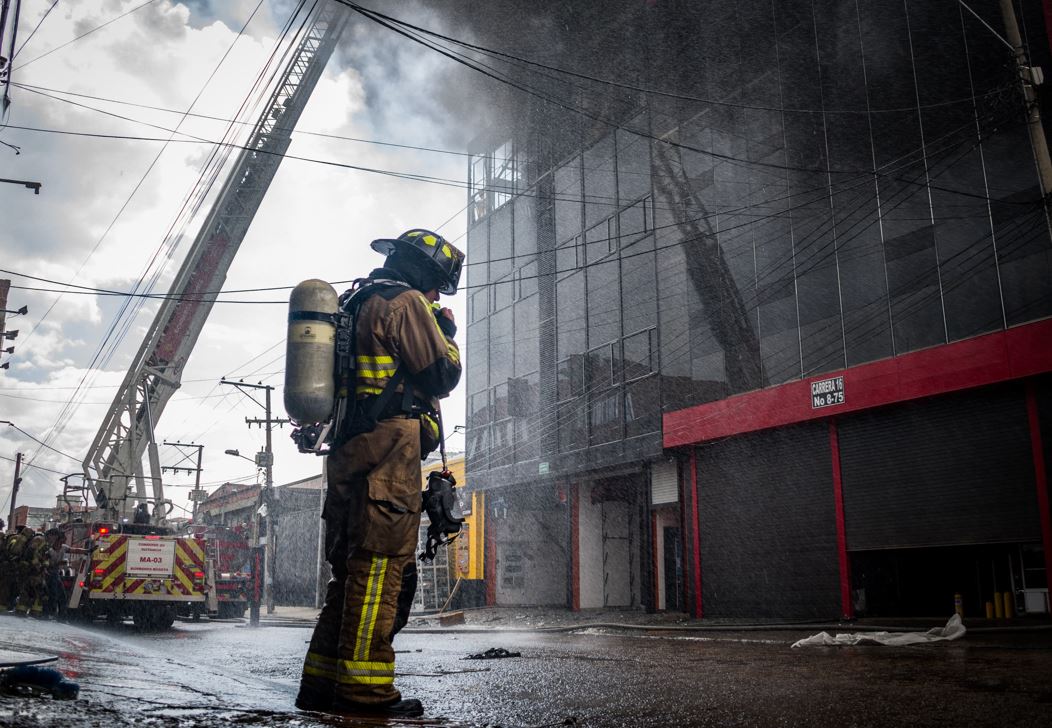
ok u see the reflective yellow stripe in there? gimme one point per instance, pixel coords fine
(117, 572)
(451, 351)
(367, 374)
(321, 666)
(356, 672)
(363, 389)
(365, 680)
(378, 360)
(428, 422)
(370, 607)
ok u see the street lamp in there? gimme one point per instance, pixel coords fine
(20, 312)
(237, 454)
(261, 512)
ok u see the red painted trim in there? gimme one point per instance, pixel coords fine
(655, 560)
(1019, 352)
(575, 548)
(490, 561)
(695, 528)
(1041, 477)
(847, 609)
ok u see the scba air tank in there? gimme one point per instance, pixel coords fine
(310, 386)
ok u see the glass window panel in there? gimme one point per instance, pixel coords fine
(568, 257)
(479, 410)
(601, 240)
(500, 401)
(570, 315)
(642, 410)
(478, 305)
(604, 301)
(639, 354)
(604, 416)
(573, 430)
(502, 451)
(478, 253)
(571, 377)
(600, 181)
(478, 205)
(633, 164)
(568, 200)
(633, 223)
(639, 281)
(527, 336)
(525, 227)
(478, 446)
(528, 279)
(501, 345)
(477, 356)
(524, 403)
(500, 243)
(600, 367)
(503, 293)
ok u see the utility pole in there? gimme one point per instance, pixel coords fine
(1029, 77)
(268, 496)
(14, 489)
(196, 493)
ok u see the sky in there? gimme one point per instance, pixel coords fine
(100, 218)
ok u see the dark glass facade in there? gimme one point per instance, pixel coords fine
(789, 188)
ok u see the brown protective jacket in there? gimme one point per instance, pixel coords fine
(398, 325)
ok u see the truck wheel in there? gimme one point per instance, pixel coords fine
(163, 618)
(141, 617)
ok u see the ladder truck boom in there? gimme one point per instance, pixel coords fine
(156, 371)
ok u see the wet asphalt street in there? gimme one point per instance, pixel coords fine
(214, 674)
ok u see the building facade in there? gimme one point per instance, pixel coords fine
(768, 196)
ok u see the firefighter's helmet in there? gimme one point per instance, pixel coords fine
(446, 259)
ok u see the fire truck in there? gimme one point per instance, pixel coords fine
(228, 553)
(123, 565)
(120, 570)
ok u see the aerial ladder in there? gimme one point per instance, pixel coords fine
(114, 461)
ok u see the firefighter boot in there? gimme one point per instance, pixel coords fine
(404, 708)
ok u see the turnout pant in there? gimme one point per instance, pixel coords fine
(31, 598)
(372, 518)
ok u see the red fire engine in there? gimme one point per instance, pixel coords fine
(228, 551)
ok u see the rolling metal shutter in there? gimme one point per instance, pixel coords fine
(945, 471)
(767, 525)
(664, 483)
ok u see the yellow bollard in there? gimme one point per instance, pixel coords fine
(989, 610)
(999, 606)
(1009, 605)
(958, 605)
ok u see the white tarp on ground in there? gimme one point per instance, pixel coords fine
(953, 630)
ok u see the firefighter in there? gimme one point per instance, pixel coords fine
(55, 604)
(406, 361)
(32, 574)
(11, 557)
(142, 514)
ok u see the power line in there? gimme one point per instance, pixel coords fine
(652, 91)
(822, 190)
(209, 117)
(42, 443)
(490, 72)
(31, 465)
(85, 34)
(67, 411)
(35, 29)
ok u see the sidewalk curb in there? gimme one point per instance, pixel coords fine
(780, 627)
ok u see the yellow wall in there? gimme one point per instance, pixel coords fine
(467, 551)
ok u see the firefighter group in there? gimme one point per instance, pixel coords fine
(30, 579)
